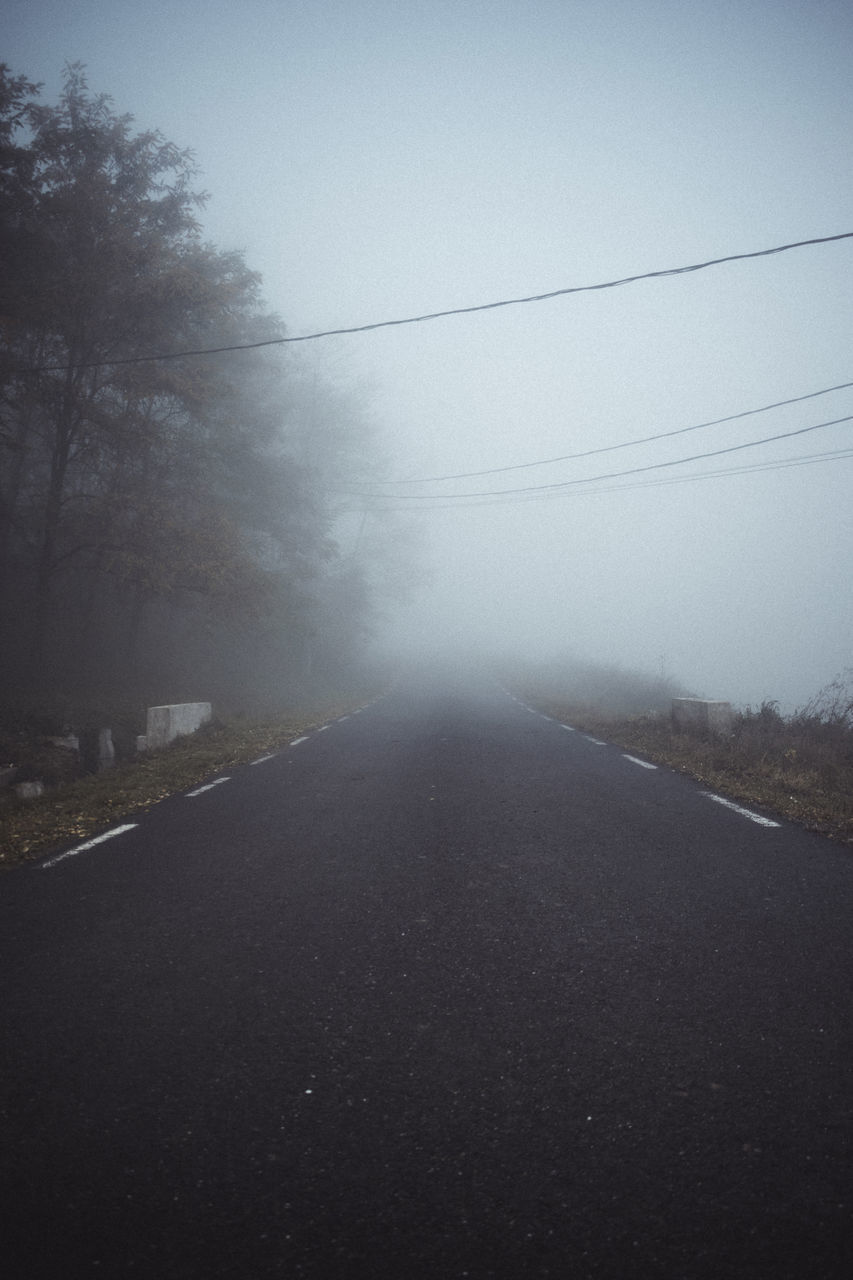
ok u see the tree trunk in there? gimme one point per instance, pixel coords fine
(134, 627)
(65, 430)
(9, 501)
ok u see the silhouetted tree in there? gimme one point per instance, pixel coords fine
(192, 490)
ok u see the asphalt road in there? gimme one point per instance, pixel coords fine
(443, 990)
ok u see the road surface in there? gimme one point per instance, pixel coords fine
(445, 989)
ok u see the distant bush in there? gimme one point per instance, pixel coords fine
(818, 736)
(832, 707)
(606, 690)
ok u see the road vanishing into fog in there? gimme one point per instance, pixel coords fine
(444, 990)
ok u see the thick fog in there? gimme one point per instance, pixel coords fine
(383, 159)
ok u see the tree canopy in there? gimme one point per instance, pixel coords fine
(165, 521)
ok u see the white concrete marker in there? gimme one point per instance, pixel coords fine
(744, 813)
(208, 786)
(644, 764)
(89, 844)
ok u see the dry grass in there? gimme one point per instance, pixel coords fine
(90, 804)
(799, 767)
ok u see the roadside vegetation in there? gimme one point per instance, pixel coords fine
(798, 766)
(174, 526)
(189, 520)
(77, 805)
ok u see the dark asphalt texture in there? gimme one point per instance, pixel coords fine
(443, 991)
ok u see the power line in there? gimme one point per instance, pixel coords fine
(747, 468)
(625, 444)
(608, 475)
(445, 503)
(440, 315)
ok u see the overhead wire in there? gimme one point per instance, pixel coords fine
(440, 315)
(557, 486)
(446, 503)
(746, 468)
(624, 444)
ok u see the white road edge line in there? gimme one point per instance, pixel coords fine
(597, 741)
(260, 760)
(644, 764)
(89, 844)
(745, 813)
(570, 727)
(208, 786)
(296, 741)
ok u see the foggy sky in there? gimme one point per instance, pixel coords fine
(377, 159)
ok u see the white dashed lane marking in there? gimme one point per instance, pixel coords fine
(644, 764)
(208, 786)
(744, 813)
(89, 844)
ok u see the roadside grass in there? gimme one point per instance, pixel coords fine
(799, 767)
(92, 803)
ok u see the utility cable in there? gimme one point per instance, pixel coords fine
(445, 503)
(440, 315)
(625, 444)
(608, 475)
